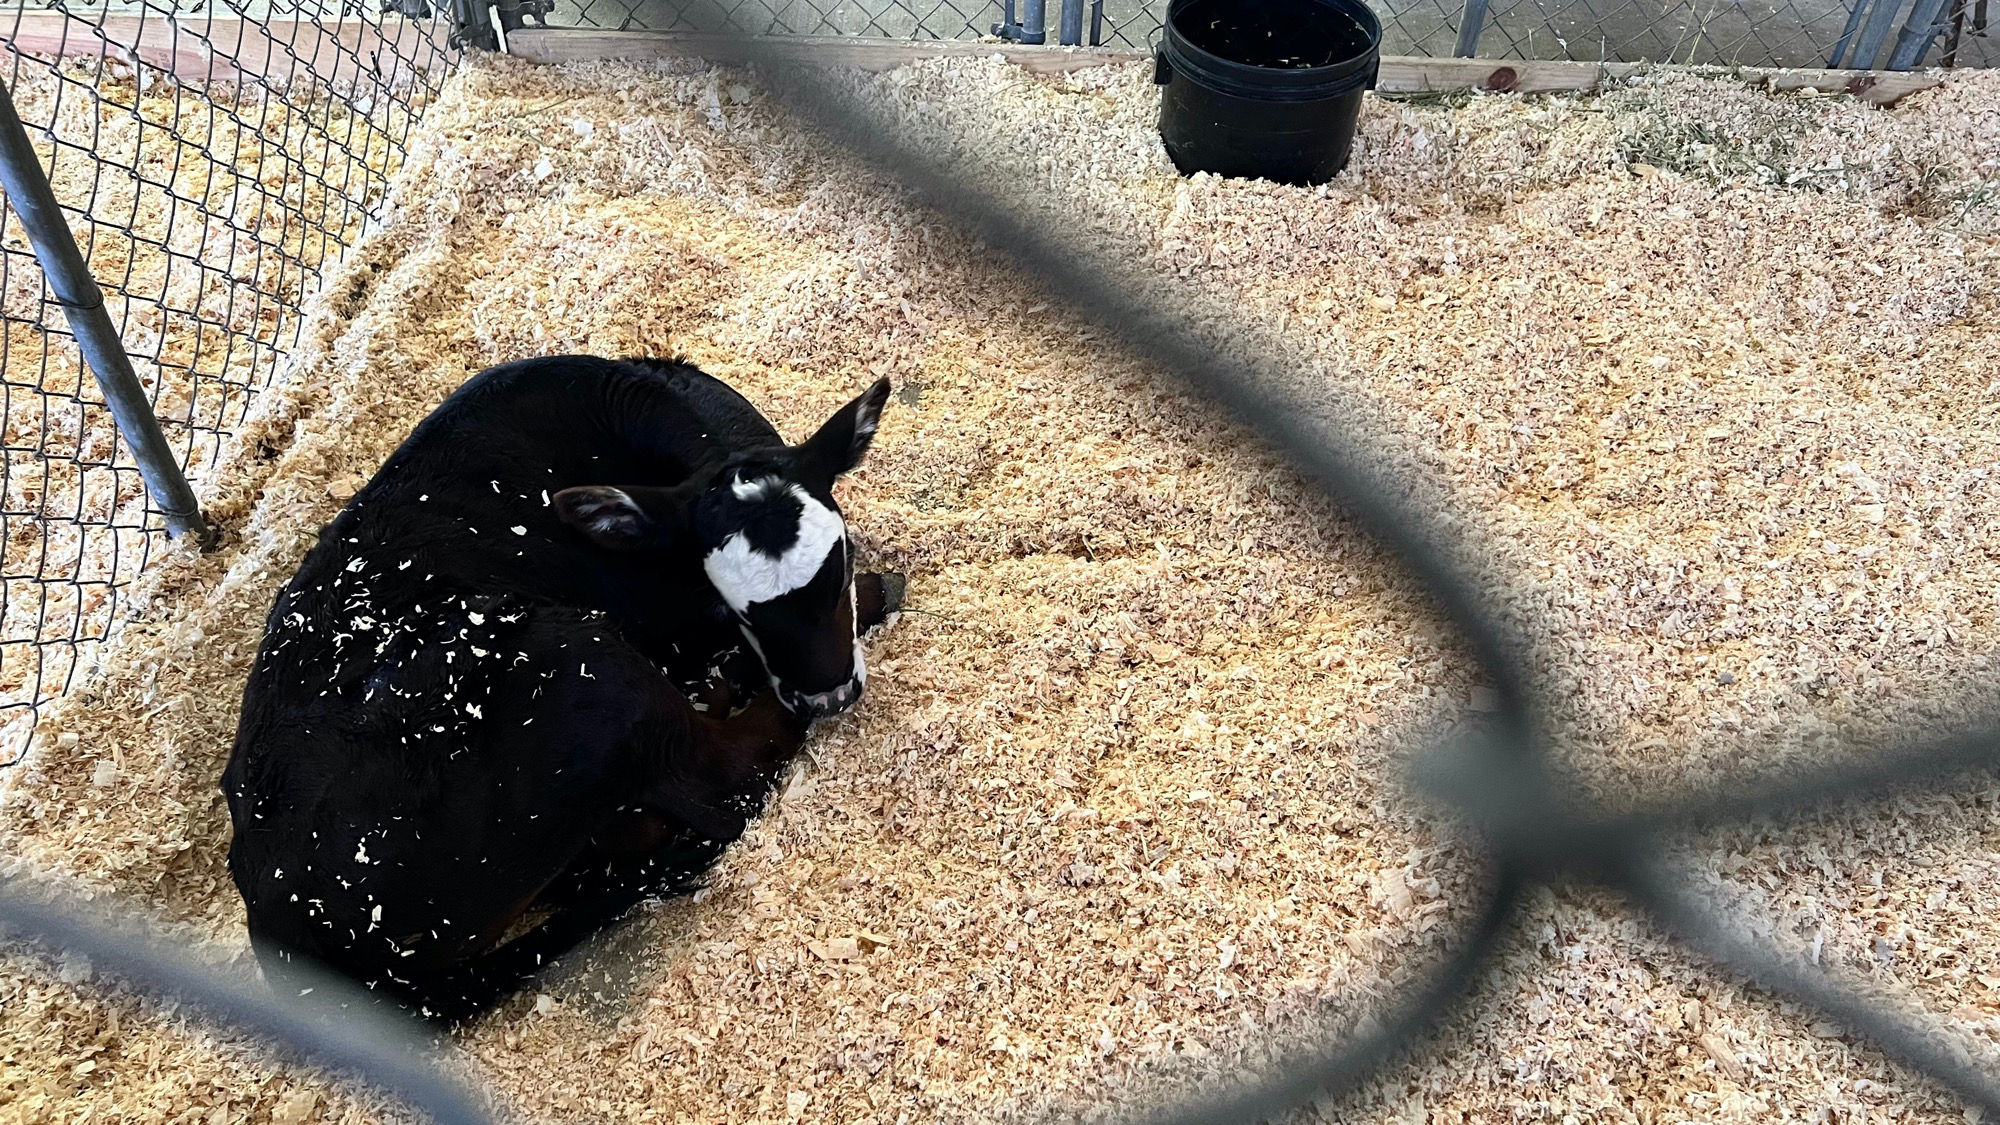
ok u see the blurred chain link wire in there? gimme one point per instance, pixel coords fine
(208, 211)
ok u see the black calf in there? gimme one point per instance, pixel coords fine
(471, 704)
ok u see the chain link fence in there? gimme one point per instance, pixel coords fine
(210, 160)
(1788, 33)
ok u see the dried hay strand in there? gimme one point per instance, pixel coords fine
(1705, 369)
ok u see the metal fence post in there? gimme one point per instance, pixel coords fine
(1470, 24)
(28, 189)
(1847, 34)
(472, 25)
(1919, 32)
(1873, 34)
(1033, 26)
(1069, 31)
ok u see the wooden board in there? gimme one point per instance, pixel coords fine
(565, 45)
(1400, 74)
(202, 50)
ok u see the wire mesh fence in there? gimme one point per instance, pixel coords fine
(209, 161)
(1787, 33)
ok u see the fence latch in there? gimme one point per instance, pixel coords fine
(1032, 27)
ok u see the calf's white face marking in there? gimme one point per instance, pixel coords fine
(745, 575)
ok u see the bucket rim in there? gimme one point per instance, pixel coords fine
(1271, 83)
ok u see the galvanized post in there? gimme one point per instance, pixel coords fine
(1069, 30)
(1955, 20)
(27, 188)
(1919, 32)
(472, 26)
(1033, 27)
(1847, 34)
(1470, 23)
(1873, 34)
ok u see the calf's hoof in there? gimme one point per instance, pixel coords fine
(877, 598)
(712, 696)
(893, 588)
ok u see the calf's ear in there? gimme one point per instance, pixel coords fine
(623, 519)
(840, 444)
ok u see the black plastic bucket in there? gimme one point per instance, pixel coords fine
(1265, 89)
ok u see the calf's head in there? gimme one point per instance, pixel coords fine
(774, 546)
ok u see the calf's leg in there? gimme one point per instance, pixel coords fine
(719, 780)
(697, 803)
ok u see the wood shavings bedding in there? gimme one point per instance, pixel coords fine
(1125, 789)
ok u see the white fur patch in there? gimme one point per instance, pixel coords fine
(760, 489)
(745, 576)
(759, 650)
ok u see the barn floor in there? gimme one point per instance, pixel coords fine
(1706, 368)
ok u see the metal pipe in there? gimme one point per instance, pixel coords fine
(1470, 23)
(1097, 23)
(1957, 22)
(1035, 22)
(1033, 27)
(1847, 34)
(1873, 34)
(1070, 29)
(472, 26)
(27, 188)
(1919, 32)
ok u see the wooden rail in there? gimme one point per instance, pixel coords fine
(203, 50)
(1400, 74)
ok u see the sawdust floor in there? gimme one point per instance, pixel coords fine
(1706, 370)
